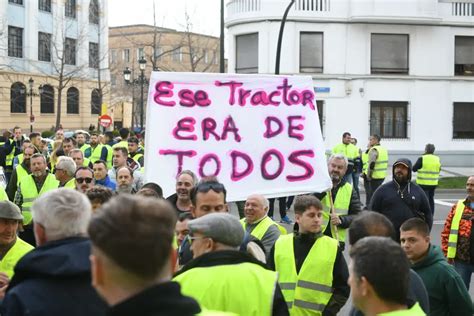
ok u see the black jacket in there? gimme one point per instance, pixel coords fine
(229, 257)
(302, 244)
(401, 201)
(162, 299)
(54, 279)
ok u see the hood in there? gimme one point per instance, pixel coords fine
(407, 163)
(434, 255)
(66, 258)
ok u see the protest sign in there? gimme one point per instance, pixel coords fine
(255, 133)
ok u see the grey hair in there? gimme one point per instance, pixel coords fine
(63, 213)
(68, 164)
(189, 173)
(265, 202)
(339, 157)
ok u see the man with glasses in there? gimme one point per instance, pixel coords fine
(64, 172)
(220, 277)
(84, 179)
(207, 197)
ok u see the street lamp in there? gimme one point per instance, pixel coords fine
(31, 93)
(280, 37)
(140, 81)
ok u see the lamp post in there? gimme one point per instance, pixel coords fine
(140, 81)
(31, 93)
(280, 37)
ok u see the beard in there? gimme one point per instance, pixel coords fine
(38, 174)
(124, 188)
(335, 177)
(400, 177)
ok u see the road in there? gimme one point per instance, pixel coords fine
(443, 202)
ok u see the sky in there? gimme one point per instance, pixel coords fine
(204, 14)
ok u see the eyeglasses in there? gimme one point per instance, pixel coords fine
(81, 180)
(190, 239)
(57, 169)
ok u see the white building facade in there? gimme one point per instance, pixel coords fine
(55, 43)
(402, 69)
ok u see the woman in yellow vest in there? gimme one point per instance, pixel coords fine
(312, 272)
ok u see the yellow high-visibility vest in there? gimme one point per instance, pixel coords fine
(309, 291)
(30, 193)
(381, 164)
(16, 252)
(262, 227)
(429, 172)
(341, 206)
(453, 233)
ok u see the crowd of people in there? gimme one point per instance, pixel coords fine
(83, 233)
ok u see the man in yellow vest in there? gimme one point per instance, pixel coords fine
(98, 151)
(78, 156)
(3, 194)
(312, 272)
(31, 187)
(20, 171)
(379, 278)
(144, 278)
(124, 134)
(135, 152)
(347, 149)
(345, 201)
(257, 224)
(64, 172)
(10, 152)
(81, 144)
(377, 165)
(456, 238)
(222, 278)
(427, 169)
(12, 248)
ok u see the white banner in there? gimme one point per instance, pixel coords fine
(255, 133)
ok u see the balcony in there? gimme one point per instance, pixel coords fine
(365, 11)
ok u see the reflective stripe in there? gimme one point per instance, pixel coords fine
(381, 161)
(289, 304)
(287, 286)
(315, 286)
(454, 231)
(452, 244)
(379, 169)
(28, 199)
(424, 178)
(429, 172)
(309, 305)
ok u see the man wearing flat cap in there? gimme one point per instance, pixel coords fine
(12, 248)
(222, 278)
(400, 199)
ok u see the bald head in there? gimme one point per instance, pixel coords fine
(256, 207)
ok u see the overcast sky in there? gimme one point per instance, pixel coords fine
(204, 14)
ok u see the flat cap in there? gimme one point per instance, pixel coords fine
(221, 227)
(8, 210)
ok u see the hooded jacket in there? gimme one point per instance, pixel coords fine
(54, 279)
(447, 293)
(401, 201)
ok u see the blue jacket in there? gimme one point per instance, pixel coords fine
(54, 279)
(107, 182)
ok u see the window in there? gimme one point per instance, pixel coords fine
(177, 54)
(113, 80)
(246, 53)
(311, 52)
(206, 56)
(44, 46)
(140, 53)
(158, 52)
(47, 99)
(18, 98)
(319, 106)
(215, 60)
(70, 51)
(464, 56)
(72, 101)
(94, 12)
(70, 9)
(389, 54)
(94, 55)
(388, 119)
(95, 102)
(113, 56)
(126, 55)
(16, 1)
(15, 42)
(44, 5)
(463, 118)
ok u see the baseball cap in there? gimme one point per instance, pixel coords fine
(221, 227)
(8, 210)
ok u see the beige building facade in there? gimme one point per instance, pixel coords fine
(164, 50)
(48, 49)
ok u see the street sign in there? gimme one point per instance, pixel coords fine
(105, 121)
